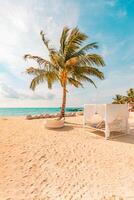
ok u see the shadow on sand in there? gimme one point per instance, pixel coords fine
(129, 138)
(63, 129)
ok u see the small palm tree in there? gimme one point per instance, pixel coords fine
(71, 64)
(130, 96)
(119, 99)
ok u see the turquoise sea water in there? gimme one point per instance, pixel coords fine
(32, 111)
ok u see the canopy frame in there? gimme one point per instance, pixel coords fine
(115, 117)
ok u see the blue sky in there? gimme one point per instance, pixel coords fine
(109, 22)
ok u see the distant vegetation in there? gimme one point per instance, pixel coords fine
(120, 99)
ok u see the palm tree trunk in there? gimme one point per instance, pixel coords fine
(62, 114)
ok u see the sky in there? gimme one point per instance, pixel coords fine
(108, 22)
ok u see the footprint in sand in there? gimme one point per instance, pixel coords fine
(24, 152)
(42, 157)
(44, 181)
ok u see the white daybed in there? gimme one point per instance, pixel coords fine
(114, 117)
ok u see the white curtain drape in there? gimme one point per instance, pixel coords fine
(115, 116)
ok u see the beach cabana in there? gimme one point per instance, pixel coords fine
(108, 118)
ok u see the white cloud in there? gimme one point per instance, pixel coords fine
(20, 25)
(9, 92)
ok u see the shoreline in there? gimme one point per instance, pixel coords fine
(35, 111)
(131, 115)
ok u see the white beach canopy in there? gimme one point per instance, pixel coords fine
(107, 117)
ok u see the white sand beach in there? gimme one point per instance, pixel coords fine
(71, 163)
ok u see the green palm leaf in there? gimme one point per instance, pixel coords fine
(84, 49)
(46, 43)
(85, 78)
(41, 75)
(36, 81)
(91, 59)
(63, 39)
(74, 82)
(41, 61)
(93, 72)
(74, 41)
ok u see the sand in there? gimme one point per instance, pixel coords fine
(67, 164)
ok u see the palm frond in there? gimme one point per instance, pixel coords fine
(74, 41)
(82, 78)
(74, 82)
(84, 49)
(41, 75)
(36, 81)
(92, 71)
(91, 59)
(85, 78)
(57, 60)
(86, 70)
(34, 71)
(41, 61)
(51, 77)
(46, 42)
(63, 39)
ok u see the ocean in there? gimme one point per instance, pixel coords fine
(33, 111)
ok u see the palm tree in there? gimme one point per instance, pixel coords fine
(119, 99)
(130, 96)
(71, 64)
